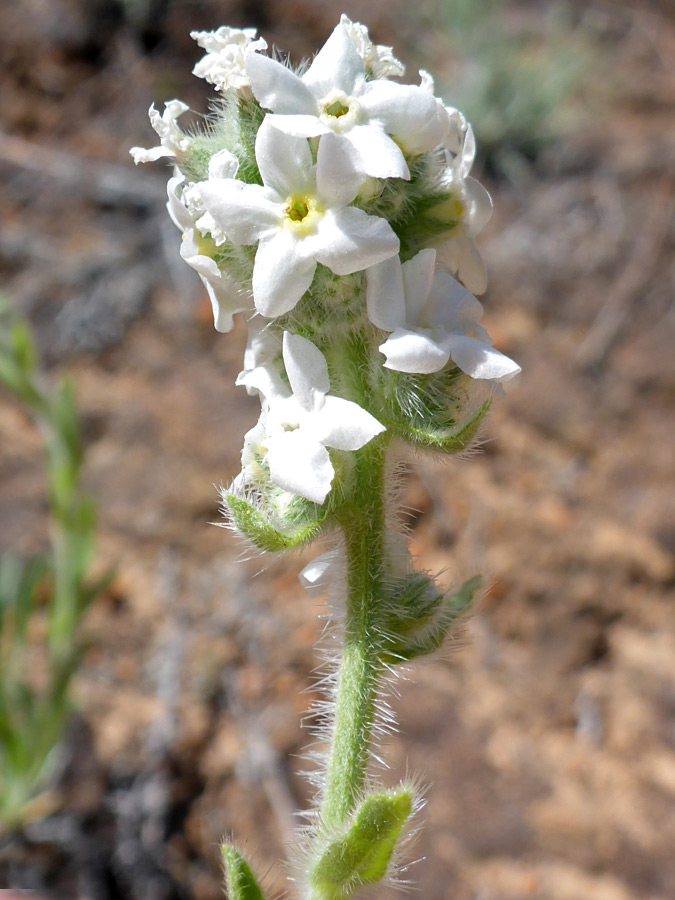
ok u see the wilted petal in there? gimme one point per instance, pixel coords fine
(348, 240)
(479, 360)
(344, 425)
(414, 351)
(384, 294)
(306, 369)
(245, 212)
(300, 465)
(141, 155)
(281, 275)
(336, 65)
(285, 162)
(277, 88)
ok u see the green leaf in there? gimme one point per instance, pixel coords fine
(240, 882)
(362, 855)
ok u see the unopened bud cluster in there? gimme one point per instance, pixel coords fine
(333, 207)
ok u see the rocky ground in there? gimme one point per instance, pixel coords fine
(546, 732)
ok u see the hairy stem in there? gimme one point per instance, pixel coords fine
(363, 523)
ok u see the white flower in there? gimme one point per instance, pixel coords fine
(299, 216)
(172, 139)
(226, 297)
(223, 65)
(298, 425)
(333, 96)
(433, 320)
(378, 59)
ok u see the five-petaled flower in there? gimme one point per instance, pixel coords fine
(298, 425)
(433, 318)
(333, 96)
(298, 217)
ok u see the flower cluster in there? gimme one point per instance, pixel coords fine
(334, 207)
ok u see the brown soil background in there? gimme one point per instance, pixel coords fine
(546, 733)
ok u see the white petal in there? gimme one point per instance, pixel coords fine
(298, 126)
(265, 380)
(223, 292)
(180, 217)
(344, 425)
(471, 269)
(480, 360)
(277, 88)
(418, 276)
(384, 294)
(460, 255)
(380, 156)
(336, 65)
(300, 465)
(225, 302)
(281, 275)
(245, 212)
(285, 162)
(414, 351)
(141, 155)
(223, 164)
(479, 206)
(400, 108)
(338, 172)
(348, 240)
(456, 309)
(306, 369)
(431, 135)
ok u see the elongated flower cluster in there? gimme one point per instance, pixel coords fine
(333, 206)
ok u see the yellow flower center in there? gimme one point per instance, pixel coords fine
(302, 214)
(336, 109)
(449, 211)
(206, 246)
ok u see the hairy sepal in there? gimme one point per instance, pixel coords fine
(441, 411)
(301, 523)
(363, 853)
(240, 882)
(420, 617)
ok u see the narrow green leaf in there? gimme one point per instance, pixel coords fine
(240, 882)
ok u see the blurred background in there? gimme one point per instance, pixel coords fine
(546, 732)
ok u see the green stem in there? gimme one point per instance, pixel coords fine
(363, 523)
